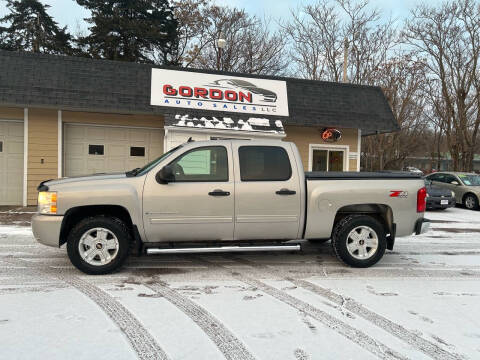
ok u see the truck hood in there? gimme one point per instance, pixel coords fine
(94, 177)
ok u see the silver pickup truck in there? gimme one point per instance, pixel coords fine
(235, 195)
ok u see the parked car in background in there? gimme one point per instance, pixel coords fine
(466, 186)
(413, 170)
(438, 197)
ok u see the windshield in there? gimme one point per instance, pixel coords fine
(154, 163)
(470, 179)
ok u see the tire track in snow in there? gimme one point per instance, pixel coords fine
(427, 347)
(140, 339)
(358, 337)
(230, 346)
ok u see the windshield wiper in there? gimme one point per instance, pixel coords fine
(133, 172)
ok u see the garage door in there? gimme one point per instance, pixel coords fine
(103, 149)
(11, 162)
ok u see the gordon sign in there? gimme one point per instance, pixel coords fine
(218, 92)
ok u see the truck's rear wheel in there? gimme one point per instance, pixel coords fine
(98, 245)
(359, 240)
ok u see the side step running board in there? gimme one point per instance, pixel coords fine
(154, 251)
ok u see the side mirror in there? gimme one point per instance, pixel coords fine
(454, 182)
(165, 175)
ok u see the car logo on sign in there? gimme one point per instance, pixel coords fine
(398, 193)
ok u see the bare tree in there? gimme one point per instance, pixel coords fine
(251, 47)
(192, 26)
(448, 39)
(402, 80)
(315, 39)
(319, 32)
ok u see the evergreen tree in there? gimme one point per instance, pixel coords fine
(32, 29)
(130, 30)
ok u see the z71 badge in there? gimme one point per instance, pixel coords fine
(398, 193)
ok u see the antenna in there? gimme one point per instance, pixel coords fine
(190, 139)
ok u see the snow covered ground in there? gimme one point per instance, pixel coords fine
(421, 301)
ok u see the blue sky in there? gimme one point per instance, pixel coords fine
(67, 12)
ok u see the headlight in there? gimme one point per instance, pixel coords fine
(428, 195)
(453, 194)
(47, 202)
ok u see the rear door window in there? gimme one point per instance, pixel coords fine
(264, 163)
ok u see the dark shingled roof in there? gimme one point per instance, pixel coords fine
(72, 83)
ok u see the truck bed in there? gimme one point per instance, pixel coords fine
(352, 175)
(339, 190)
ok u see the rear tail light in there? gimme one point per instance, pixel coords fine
(422, 200)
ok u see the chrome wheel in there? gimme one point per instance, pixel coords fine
(362, 242)
(470, 202)
(98, 246)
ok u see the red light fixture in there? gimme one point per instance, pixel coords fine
(331, 135)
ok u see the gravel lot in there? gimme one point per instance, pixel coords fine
(421, 301)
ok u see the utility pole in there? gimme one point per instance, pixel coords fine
(345, 60)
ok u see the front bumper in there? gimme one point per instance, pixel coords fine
(422, 226)
(436, 202)
(46, 229)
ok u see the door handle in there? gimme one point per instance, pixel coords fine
(285, 192)
(218, 192)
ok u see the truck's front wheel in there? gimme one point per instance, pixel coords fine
(359, 240)
(98, 245)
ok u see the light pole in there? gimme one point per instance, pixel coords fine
(221, 42)
(345, 60)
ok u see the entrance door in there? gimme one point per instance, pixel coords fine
(198, 205)
(328, 159)
(267, 192)
(11, 162)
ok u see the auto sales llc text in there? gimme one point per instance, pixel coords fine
(220, 105)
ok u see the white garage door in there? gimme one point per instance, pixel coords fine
(11, 162)
(102, 149)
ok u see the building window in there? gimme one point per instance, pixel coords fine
(324, 159)
(264, 163)
(1, 146)
(137, 151)
(95, 149)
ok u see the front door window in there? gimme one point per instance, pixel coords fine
(328, 160)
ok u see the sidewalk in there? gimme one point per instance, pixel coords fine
(16, 215)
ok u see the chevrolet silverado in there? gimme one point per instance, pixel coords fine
(227, 195)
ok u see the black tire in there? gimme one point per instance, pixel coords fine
(340, 239)
(318, 241)
(114, 225)
(471, 205)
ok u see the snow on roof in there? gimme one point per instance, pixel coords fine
(227, 123)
